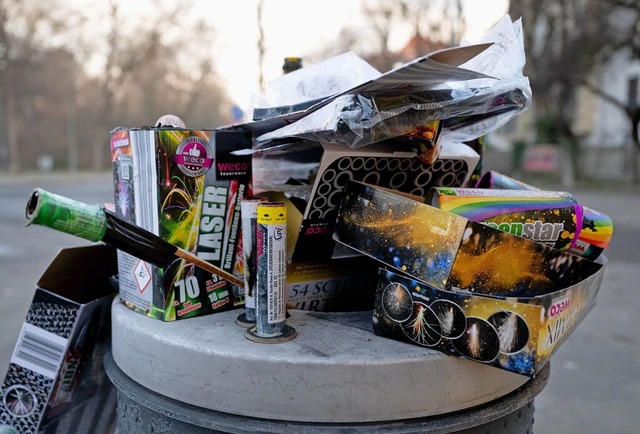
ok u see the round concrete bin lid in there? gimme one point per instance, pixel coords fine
(335, 370)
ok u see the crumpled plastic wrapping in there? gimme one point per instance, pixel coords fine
(505, 59)
(301, 89)
(468, 108)
(357, 120)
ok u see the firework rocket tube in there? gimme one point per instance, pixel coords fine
(597, 228)
(549, 217)
(249, 216)
(271, 273)
(94, 223)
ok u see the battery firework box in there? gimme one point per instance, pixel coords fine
(334, 285)
(323, 275)
(385, 165)
(595, 228)
(56, 382)
(342, 284)
(550, 217)
(184, 186)
(465, 288)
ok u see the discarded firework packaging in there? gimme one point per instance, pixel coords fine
(472, 90)
(305, 87)
(96, 223)
(471, 101)
(496, 180)
(360, 120)
(249, 215)
(595, 236)
(324, 275)
(596, 227)
(462, 287)
(271, 275)
(423, 73)
(349, 105)
(334, 285)
(386, 165)
(341, 284)
(55, 374)
(325, 285)
(184, 186)
(550, 217)
(405, 119)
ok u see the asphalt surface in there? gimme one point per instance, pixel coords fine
(595, 375)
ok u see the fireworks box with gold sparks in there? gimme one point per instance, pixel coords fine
(383, 164)
(324, 275)
(466, 288)
(184, 186)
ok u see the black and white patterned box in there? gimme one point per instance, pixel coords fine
(56, 373)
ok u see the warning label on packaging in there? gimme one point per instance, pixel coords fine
(135, 280)
(276, 273)
(142, 275)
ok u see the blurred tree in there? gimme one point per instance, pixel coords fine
(153, 68)
(427, 25)
(626, 42)
(566, 42)
(261, 46)
(47, 107)
(25, 29)
(66, 79)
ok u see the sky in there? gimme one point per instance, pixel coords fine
(294, 28)
(291, 28)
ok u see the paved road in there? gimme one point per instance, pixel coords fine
(595, 375)
(25, 252)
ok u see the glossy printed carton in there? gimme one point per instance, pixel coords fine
(465, 288)
(334, 285)
(385, 165)
(184, 186)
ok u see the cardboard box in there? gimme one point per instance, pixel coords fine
(550, 217)
(184, 186)
(56, 382)
(341, 284)
(310, 230)
(465, 288)
(316, 259)
(335, 285)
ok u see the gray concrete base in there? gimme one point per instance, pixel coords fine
(335, 370)
(142, 411)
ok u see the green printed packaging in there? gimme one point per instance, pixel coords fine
(185, 186)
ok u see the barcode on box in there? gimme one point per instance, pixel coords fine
(125, 171)
(125, 167)
(39, 350)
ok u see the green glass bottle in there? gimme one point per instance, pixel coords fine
(291, 64)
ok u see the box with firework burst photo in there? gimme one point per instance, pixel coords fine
(324, 275)
(55, 382)
(465, 288)
(184, 186)
(389, 165)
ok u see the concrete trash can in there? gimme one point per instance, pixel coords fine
(202, 375)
